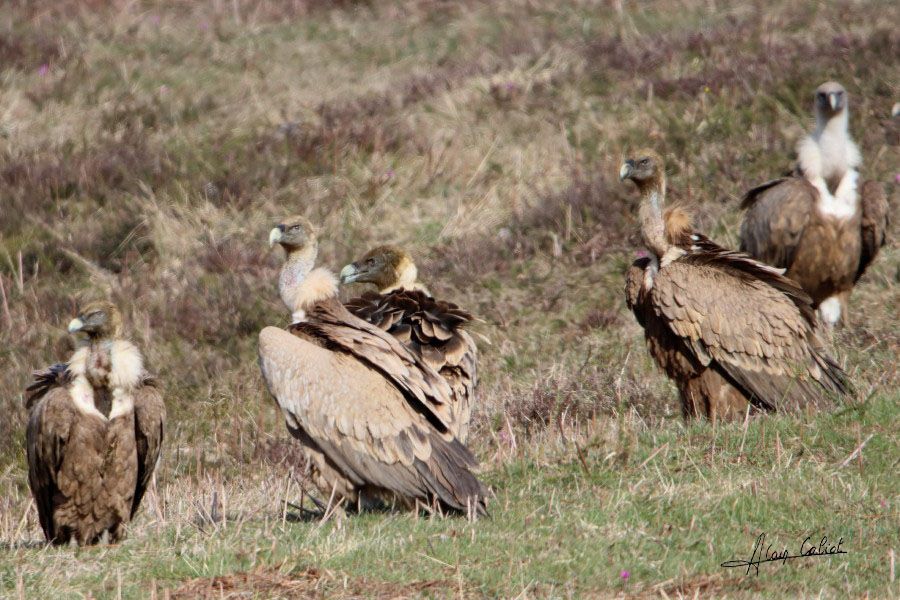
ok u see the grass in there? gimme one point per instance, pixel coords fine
(147, 147)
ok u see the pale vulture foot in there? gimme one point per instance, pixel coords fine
(830, 312)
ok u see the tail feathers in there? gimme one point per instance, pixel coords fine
(449, 477)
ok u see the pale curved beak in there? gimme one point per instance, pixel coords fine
(833, 101)
(274, 236)
(75, 325)
(625, 171)
(349, 274)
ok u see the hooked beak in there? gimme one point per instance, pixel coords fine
(626, 170)
(833, 101)
(75, 325)
(349, 274)
(275, 236)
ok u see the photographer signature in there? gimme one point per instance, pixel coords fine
(763, 553)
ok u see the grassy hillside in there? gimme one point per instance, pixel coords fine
(147, 147)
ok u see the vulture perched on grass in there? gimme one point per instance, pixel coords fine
(95, 428)
(430, 328)
(372, 416)
(818, 224)
(725, 328)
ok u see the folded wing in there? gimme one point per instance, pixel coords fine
(434, 331)
(752, 322)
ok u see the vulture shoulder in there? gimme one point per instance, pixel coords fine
(46, 436)
(434, 331)
(875, 223)
(635, 294)
(370, 426)
(149, 426)
(755, 324)
(777, 213)
(54, 376)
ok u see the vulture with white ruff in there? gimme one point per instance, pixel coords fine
(725, 328)
(95, 429)
(432, 329)
(372, 416)
(819, 224)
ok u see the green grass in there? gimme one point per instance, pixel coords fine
(668, 509)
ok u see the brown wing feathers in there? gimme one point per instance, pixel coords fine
(757, 326)
(434, 331)
(149, 425)
(875, 224)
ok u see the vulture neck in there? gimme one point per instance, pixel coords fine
(105, 374)
(831, 153)
(653, 230)
(828, 159)
(836, 126)
(406, 279)
(301, 286)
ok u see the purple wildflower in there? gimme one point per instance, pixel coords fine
(43, 70)
(625, 575)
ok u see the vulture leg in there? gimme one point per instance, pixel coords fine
(116, 533)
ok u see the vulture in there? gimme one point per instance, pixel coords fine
(727, 329)
(94, 433)
(432, 329)
(817, 223)
(373, 417)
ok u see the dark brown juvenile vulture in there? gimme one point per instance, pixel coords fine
(372, 416)
(95, 428)
(817, 224)
(430, 328)
(724, 327)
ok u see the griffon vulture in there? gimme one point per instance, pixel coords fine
(816, 224)
(372, 416)
(431, 328)
(724, 327)
(95, 428)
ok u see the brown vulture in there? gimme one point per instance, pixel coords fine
(372, 416)
(725, 328)
(95, 429)
(818, 224)
(432, 329)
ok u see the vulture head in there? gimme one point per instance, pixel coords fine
(645, 168)
(387, 267)
(294, 234)
(831, 99)
(97, 320)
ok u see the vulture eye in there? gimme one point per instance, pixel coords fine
(295, 228)
(370, 261)
(645, 162)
